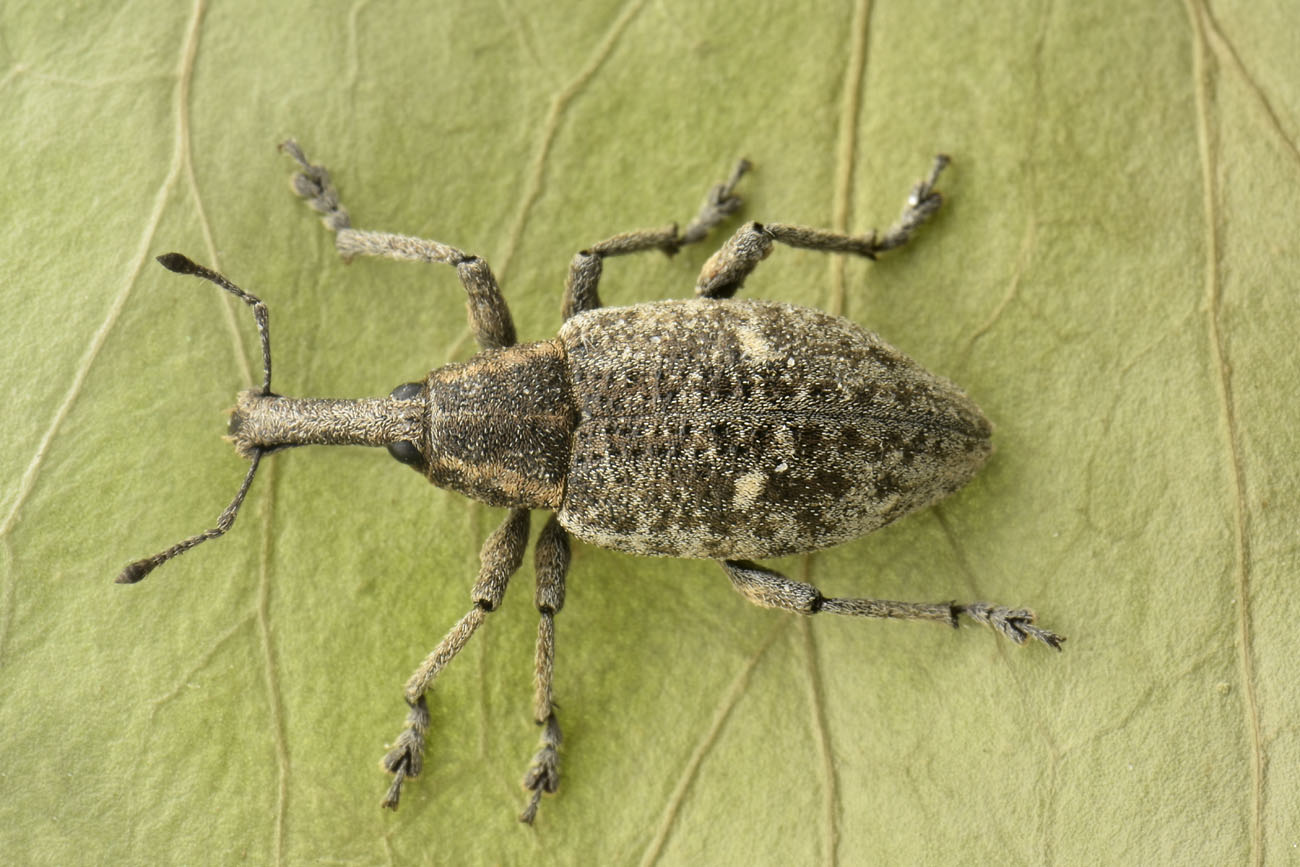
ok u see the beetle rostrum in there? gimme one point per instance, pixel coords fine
(714, 428)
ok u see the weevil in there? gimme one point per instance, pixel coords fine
(711, 428)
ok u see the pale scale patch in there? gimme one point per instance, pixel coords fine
(748, 489)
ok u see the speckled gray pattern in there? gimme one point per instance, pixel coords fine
(749, 429)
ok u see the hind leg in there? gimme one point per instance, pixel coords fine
(774, 590)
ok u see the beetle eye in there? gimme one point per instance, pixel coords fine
(408, 453)
(408, 391)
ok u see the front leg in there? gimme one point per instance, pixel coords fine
(488, 314)
(500, 558)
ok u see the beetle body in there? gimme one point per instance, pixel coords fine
(748, 429)
(702, 428)
(717, 428)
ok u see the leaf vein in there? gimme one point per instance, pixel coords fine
(1203, 86)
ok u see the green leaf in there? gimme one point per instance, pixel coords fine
(1113, 278)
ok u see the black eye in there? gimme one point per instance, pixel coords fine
(408, 391)
(407, 453)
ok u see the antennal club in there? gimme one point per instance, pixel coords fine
(179, 264)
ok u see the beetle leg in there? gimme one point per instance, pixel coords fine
(500, 558)
(727, 269)
(551, 564)
(580, 289)
(488, 314)
(774, 590)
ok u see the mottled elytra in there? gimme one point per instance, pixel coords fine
(708, 428)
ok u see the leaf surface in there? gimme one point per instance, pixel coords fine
(1113, 279)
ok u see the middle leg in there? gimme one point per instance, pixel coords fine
(551, 564)
(727, 269)
(580, 289)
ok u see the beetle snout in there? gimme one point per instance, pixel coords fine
(242, 431)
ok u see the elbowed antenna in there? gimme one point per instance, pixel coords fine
(140, 568)
(178, 264)
(181, 265)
